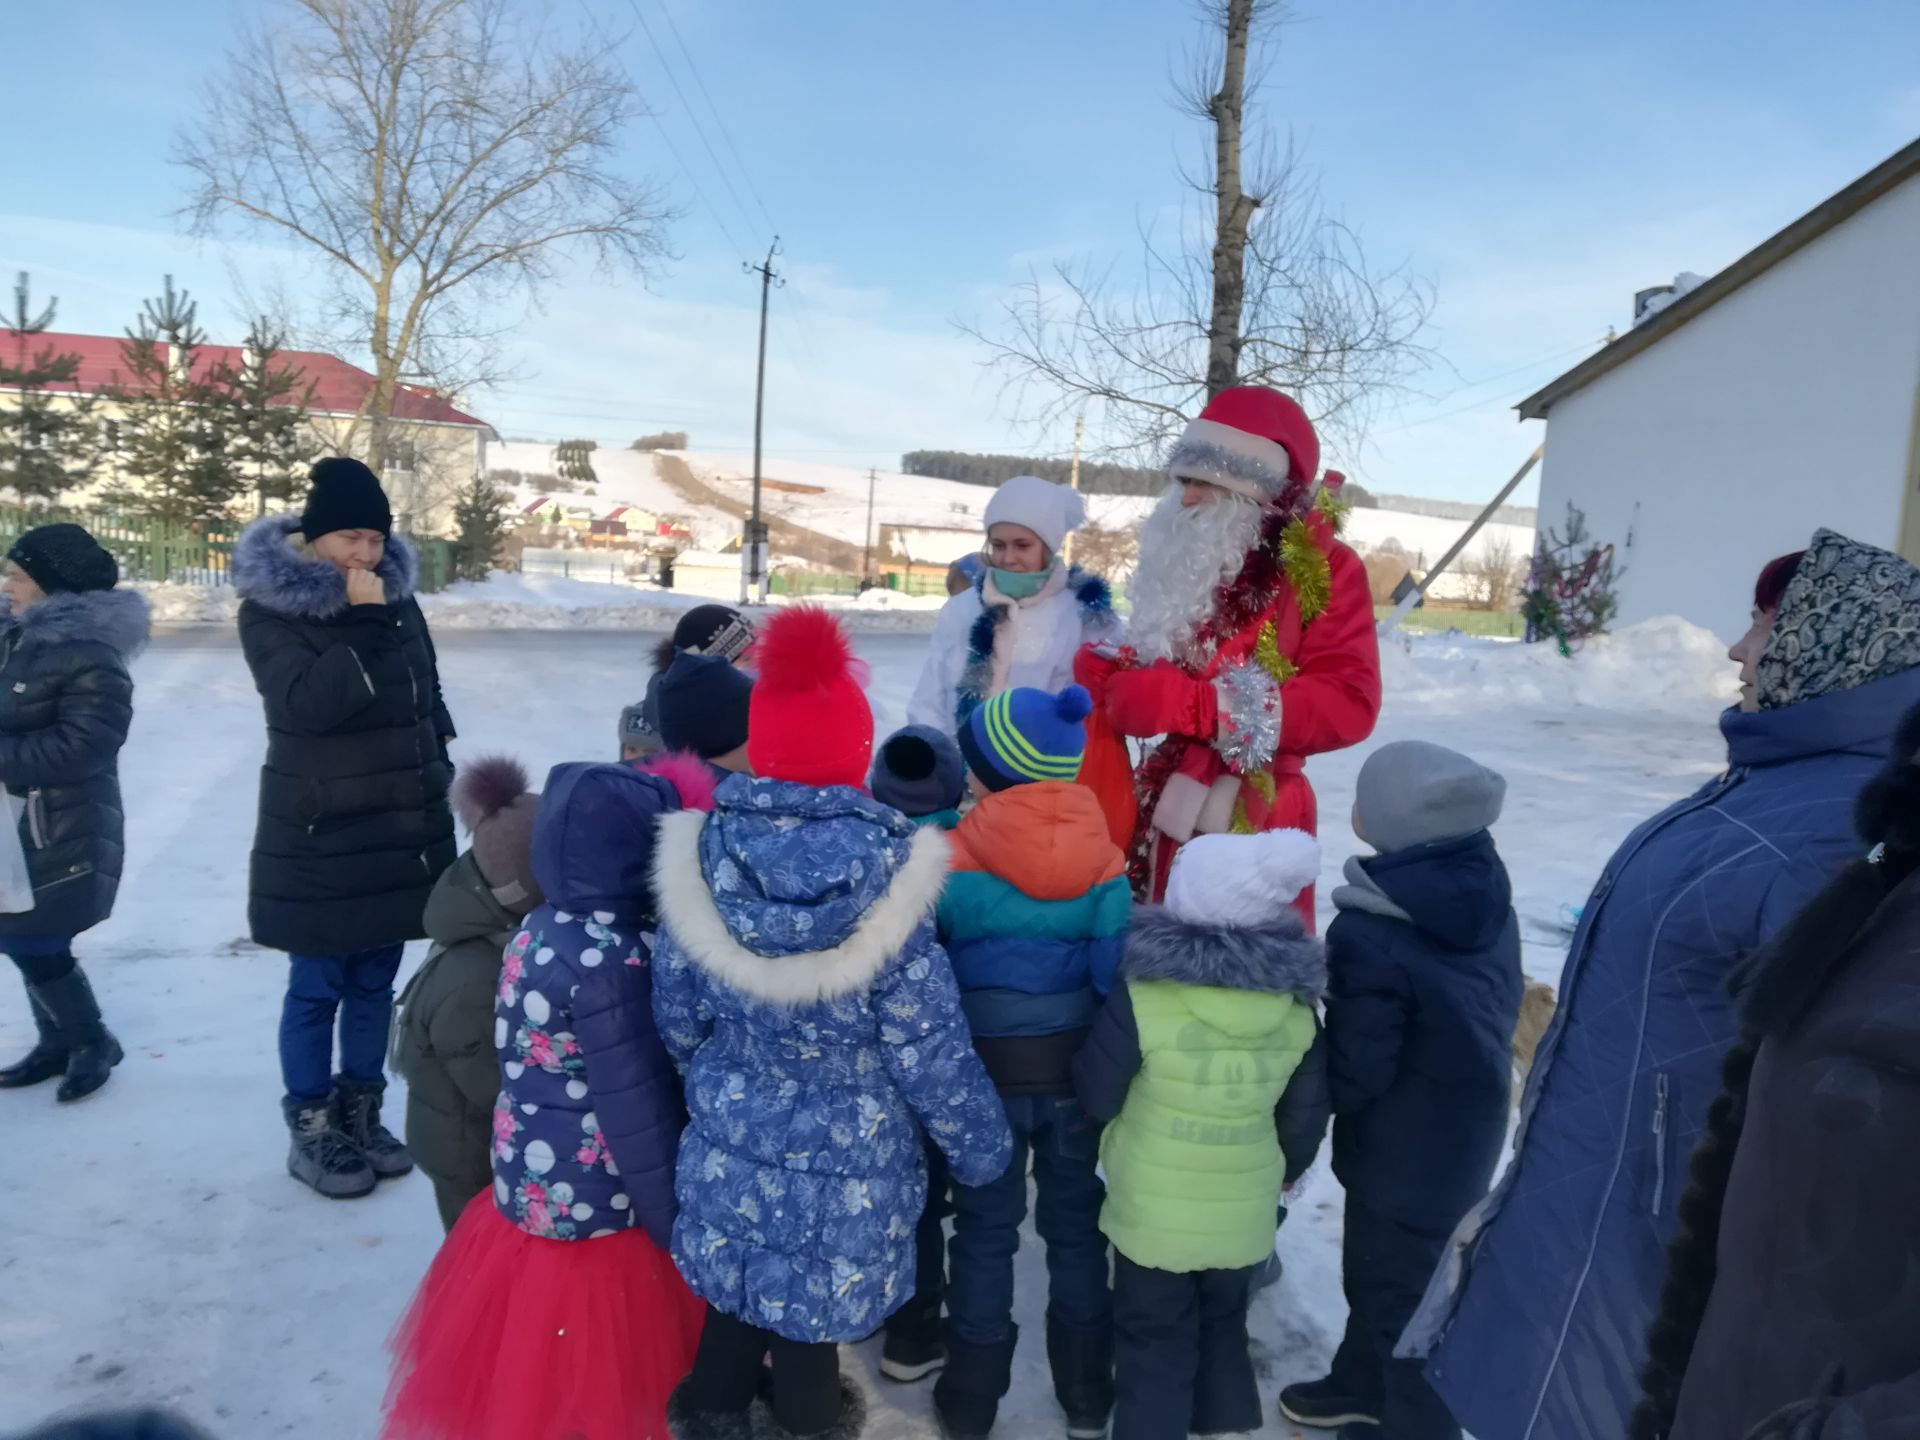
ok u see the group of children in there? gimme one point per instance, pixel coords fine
(762, 1008)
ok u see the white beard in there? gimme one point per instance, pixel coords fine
(1186, 554)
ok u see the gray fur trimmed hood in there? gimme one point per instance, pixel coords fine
(1278, 958)
(271, 568)
(119, 619)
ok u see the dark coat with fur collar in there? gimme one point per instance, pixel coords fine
(66, 701)
(1792, 1304)
(354, 824)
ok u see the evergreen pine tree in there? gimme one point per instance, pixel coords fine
(480, 524)
(267, 406)
(49, 440)
(175, 425)
(1570, 594)
(574, 460)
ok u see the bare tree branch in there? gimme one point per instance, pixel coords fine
(1259, 285)
(438, 154)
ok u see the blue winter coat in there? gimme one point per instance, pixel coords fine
(1536, 1328)
(589, 1115)
(1423, 976)
(800, 989)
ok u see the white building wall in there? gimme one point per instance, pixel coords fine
(1786, 407)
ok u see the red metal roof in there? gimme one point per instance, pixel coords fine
(338, 387)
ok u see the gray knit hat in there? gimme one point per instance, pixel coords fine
(1412, 793)
(493, 802)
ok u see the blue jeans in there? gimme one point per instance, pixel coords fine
(360, 987)
(1065, 1145)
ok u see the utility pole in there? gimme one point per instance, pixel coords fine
(1073, 480)
(753, 558)
(873, 475)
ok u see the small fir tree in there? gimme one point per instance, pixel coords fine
(268, 399)
(574, 459)
(175, 426)
(1570, 588)
(49, 440)
(480, 523)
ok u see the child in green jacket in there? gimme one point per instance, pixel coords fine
(1191, 1064)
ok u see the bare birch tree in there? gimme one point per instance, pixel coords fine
(1263, 286)
(438, 155)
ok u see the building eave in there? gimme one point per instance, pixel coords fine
(1889, 175)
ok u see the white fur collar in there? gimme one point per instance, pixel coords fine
(790, 981)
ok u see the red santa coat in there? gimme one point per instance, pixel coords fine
(1287, 666)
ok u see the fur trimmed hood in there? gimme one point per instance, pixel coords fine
(273, 566)
(119, 619)
(1278, 958)
(740, 937)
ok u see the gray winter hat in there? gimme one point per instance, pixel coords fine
(1412, 793)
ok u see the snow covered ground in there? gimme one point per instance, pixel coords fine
(156, 1251)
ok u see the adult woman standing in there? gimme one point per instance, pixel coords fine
(1561, 1268)
(66, 701)
(354, 825)
(1790, 1308)
(1024, 618)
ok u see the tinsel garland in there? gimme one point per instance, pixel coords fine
(1266, 654)
(1307, 570)
(1336, 510)
(1262, 784)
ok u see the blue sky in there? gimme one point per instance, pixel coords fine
(1535, 162)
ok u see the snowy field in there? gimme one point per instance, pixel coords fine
(157, 1251)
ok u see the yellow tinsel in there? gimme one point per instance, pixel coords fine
(1261, 783)
(1307, 570)
(1266, 654)
(1329, 504)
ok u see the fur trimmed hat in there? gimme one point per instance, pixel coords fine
(493, 802)
(1050, 511)
(808, 720)
(1241, 882)
(1250, 440)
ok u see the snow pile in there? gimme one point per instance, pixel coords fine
(1666, 666)
(190, 604)
(1684, 284)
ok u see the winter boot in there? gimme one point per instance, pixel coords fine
(1328, 1404)
(851, 1422)
(322, 1157)
(966, 1397)
(1082, 1365)
(357, 1114)
(686, 1423)
(47, 1059)
(92, 1052)
(913, 1349)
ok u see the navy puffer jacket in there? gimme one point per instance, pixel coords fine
(587, 1126)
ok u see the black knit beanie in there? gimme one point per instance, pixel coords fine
(65, 558)
(703, 706)
(344, 495)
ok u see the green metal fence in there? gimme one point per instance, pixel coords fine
(185, 555)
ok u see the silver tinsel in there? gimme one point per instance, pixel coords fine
(1249, 717)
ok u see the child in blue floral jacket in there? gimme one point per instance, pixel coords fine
(519, 1328)
(799, 987)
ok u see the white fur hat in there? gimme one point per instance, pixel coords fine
(1241, 881)
(1050, 511)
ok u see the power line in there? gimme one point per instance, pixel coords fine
(691, 114)
(746, 176)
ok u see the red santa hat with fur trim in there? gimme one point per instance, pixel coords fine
(1253, 441)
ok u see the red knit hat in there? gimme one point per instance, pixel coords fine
(809, 721)
(1252, 440)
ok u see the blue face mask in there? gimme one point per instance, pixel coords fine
(1019, 585)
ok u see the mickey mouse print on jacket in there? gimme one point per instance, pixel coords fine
(799, 987)
(589, 1113)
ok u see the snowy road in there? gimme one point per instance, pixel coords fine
(155, 1250)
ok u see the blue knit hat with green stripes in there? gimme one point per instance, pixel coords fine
(1020, 736)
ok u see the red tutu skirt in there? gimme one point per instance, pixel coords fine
(515, 1337)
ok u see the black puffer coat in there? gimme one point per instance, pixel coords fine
(354, 822)
(66, 701)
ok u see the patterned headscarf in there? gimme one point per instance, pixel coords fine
(1851, 615)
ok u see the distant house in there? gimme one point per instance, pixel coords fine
(544, 511)
(633, 520)
(1743, 412)
(434, 448)
(707, 572)
(925, 549)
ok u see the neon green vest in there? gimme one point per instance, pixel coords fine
(1193, 1162)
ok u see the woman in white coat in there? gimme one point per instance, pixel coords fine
(1024, 619)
